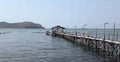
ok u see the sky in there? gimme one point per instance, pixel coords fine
(67, 13)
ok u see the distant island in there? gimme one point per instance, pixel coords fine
(20, 25)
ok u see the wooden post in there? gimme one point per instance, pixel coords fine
(114, 32)
(108, 36)
(117, 36)
(96, 33)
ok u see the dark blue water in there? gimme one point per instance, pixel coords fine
(32, 45)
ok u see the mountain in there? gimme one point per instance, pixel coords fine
(20, 25)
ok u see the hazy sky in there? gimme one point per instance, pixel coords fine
(67, 13)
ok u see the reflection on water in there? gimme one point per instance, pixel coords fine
(22, 45)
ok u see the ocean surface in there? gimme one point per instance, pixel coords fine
(32, 45)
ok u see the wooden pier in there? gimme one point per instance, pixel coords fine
(109, 47)
(112, 48)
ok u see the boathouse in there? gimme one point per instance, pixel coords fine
(57, 29)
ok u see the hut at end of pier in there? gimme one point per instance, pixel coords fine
(57, 29)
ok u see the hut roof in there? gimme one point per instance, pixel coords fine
(58, 27)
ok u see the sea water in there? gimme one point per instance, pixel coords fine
(32, 45)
